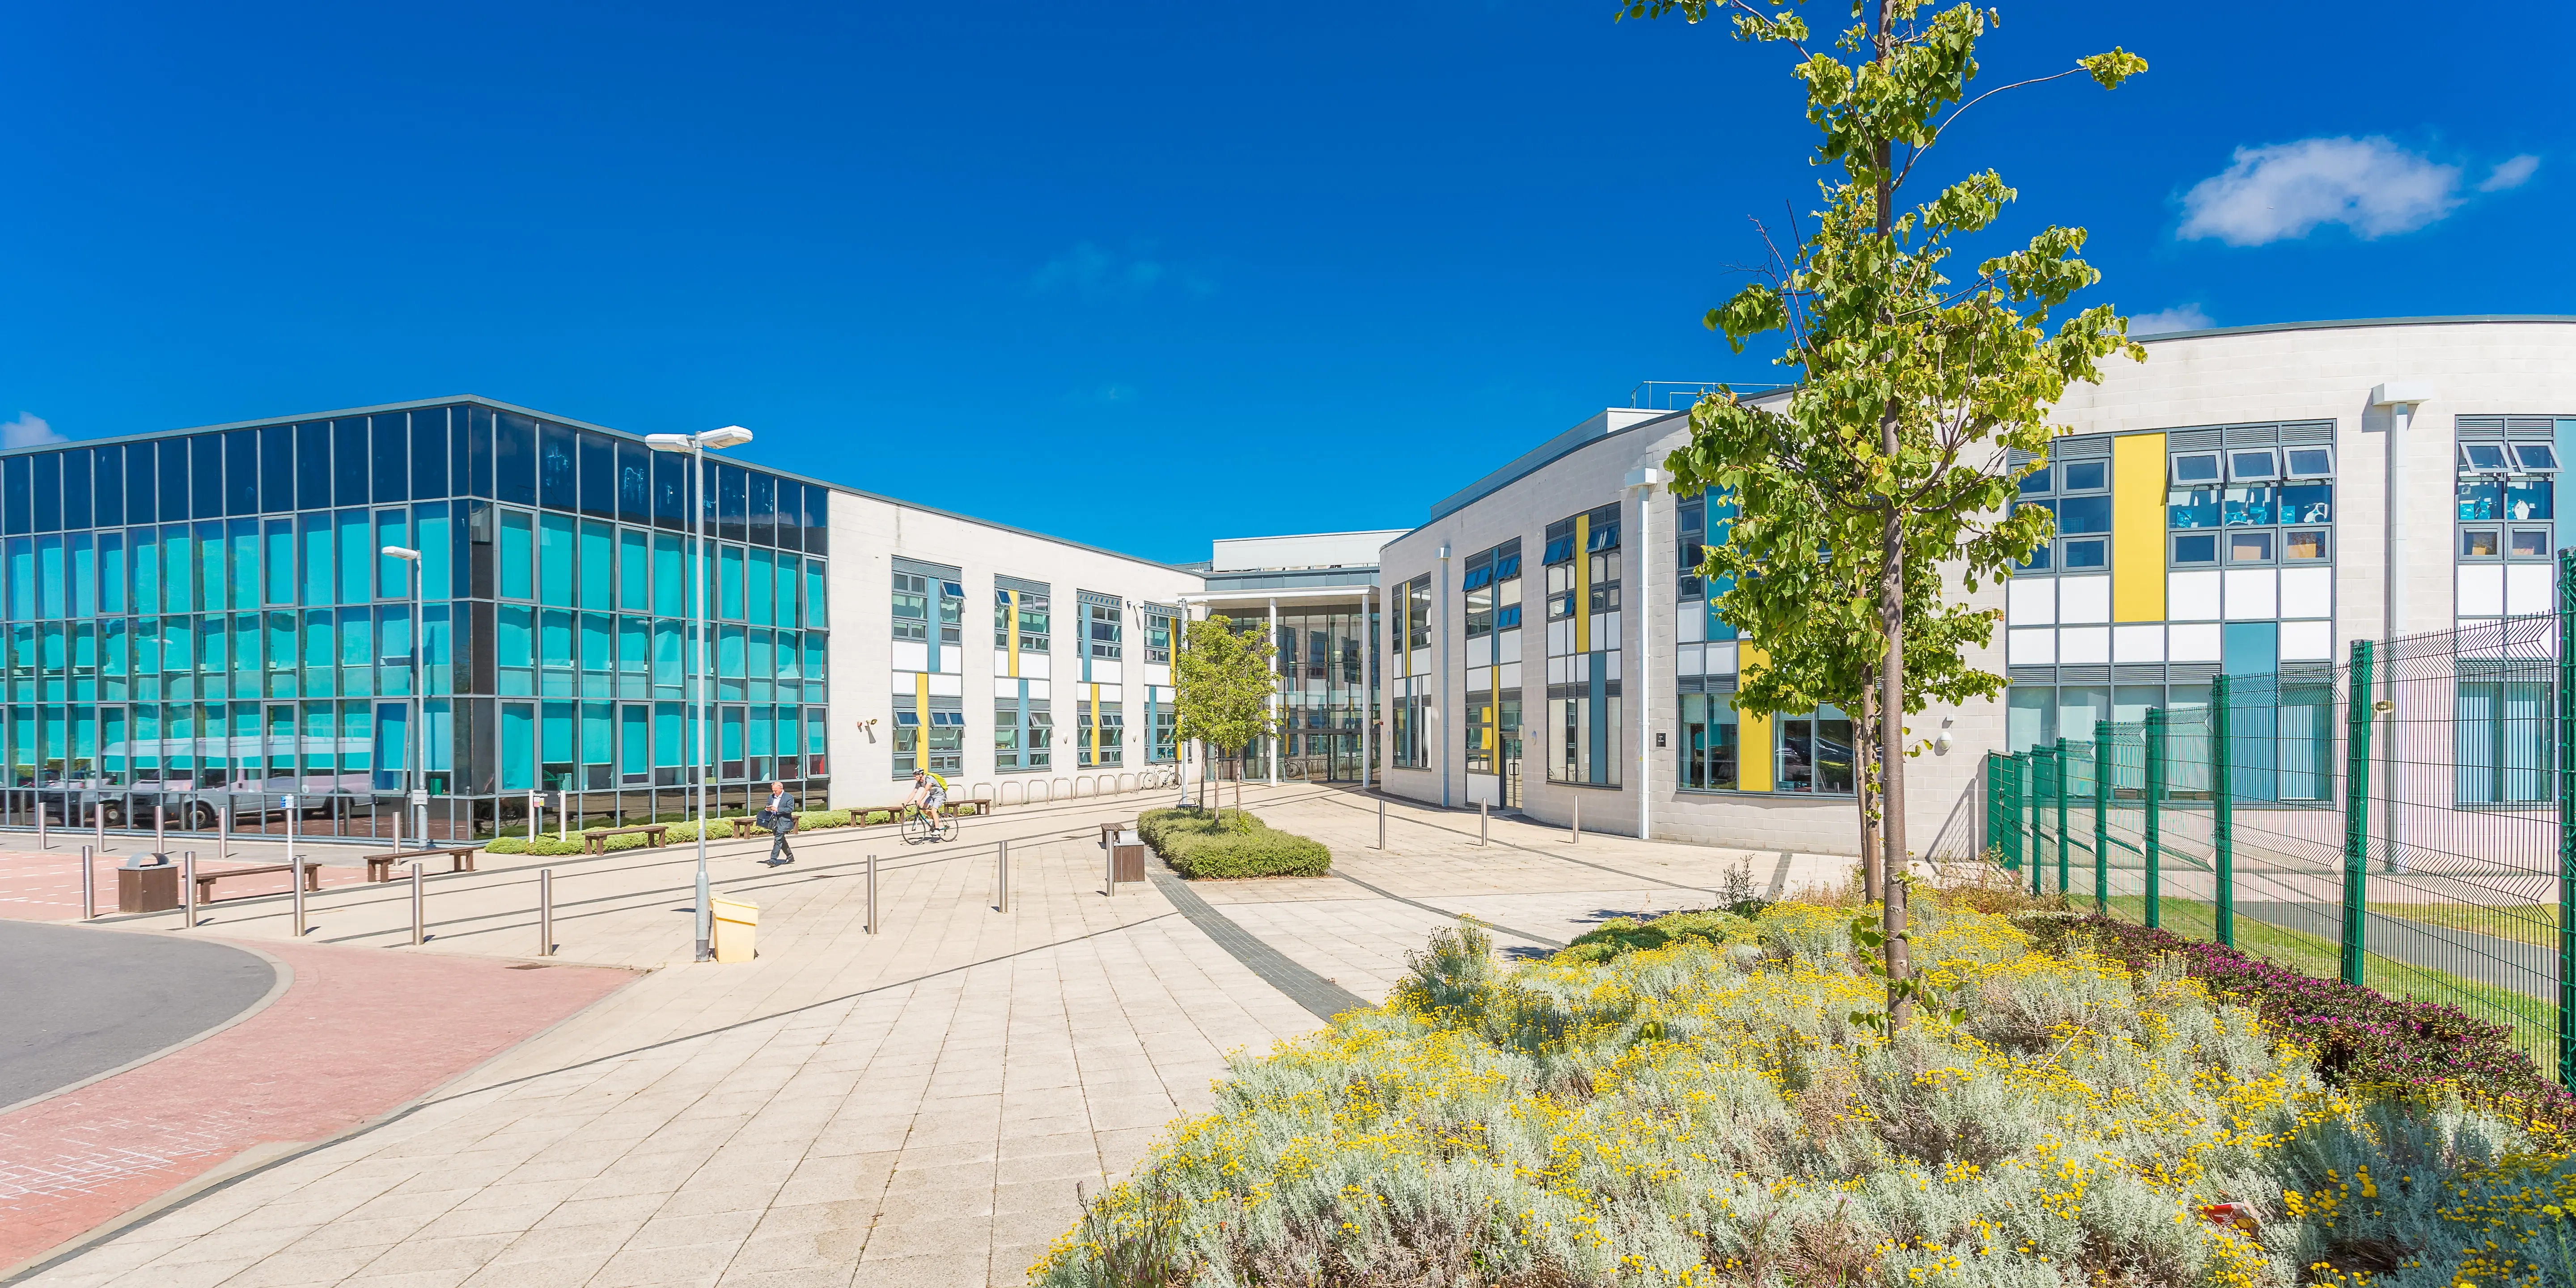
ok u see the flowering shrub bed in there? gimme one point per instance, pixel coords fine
(2362, 1037)
(1705, 1112)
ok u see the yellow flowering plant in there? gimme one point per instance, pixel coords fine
(1706, 1112)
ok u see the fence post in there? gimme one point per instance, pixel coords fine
(2356, 811)
(2102, 759)
(2222, 813)
(188, 890)
(2062, 776)
(417, 937)
(2151, 835)
(545, 912)
(872, 894)
(2567, 818)
(2039, 789)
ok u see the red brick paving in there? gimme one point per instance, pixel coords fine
(45, 885)
(359, 1033)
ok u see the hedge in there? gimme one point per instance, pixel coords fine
(1199, 844)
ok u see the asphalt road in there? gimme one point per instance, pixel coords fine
(81, 1001)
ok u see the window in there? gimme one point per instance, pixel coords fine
(1417, 613)
(1584, 690)
(1031, 621)
(1105, 635)
(911, 606)
(2085, 476)
(2309, 462)
(2527, 543)
(2195, 469)
(1099, 736)
(2535, 458)
(1815, 752)
(2479, 543)
(1709, 748)
(2259, 465)
(952, 612)
(1023, 735)
(2483, 458)
(1158, 635)
(2036, 482)
(2309, 546)
(2505, 738)
(2249, 547)
(2195, 550)
(1167, 742)
(2091, 552)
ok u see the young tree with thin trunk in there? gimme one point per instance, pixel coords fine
(1912, 387)
(1222, 687)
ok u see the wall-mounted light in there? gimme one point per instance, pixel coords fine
(1941, 740)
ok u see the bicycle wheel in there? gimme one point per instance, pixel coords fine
(948, 827)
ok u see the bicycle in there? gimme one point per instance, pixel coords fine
(918, 827)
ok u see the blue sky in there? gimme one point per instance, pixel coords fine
(1141, 274)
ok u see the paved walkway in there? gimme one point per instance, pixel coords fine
(916, 1107)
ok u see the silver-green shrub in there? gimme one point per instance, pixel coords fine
(1692, 1114)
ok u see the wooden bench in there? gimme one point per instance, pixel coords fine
(380, 867)
(206, 880)
(596, 839)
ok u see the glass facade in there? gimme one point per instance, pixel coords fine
(1492, 619)
(203, 621)
(1324, 698)
(1583, 559)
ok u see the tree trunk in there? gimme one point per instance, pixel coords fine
(1865, 792)
(1891, 617)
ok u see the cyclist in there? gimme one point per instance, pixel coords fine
(929, 791)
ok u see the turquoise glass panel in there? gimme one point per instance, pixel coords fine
(393, 576)
(518, 746)
(598, 565)
(634, 743)
(666, 656)
(393, 649)
(356, 724)
(111, 573)
(113, 747)
(598, 642)
(729, 730)
(666, 735)
(280, 539)
(178, 570)
(357, 559)
(785, 579)
(670, 589)
(246, 562)
(84, 588)
(438, 742)
(729, 652)
(518, 555)
(761, 582)
(634, 646)
(437, 550)
(554, 560)
(557, 733)
(22, 579)
(817, 603)
(437, 661)
(634, 571)
(729, 604)
(213, 552)
(51, 601)
(763, 725)
(598, 732)
(554, 638)
(318, 582)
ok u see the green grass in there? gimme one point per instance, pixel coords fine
(2522, 923)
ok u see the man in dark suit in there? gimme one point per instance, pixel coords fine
(779, 816)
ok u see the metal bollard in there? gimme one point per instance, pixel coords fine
(1002, 876)
(1574, 830)
(98, 815)
(224, 832)
(872, 894)
(41, 842)
(1484, 824)
(416, 937)
(160, 829)
(188, 890)
(1381, 822)
(89, 883)
(545, 912)
(295, 887)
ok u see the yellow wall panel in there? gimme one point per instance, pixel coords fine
(2138, 528)
(1753, 735)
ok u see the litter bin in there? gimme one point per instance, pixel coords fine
(736, 920)
(1127, 858)
(147, 882)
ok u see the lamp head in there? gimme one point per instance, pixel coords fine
(400, 552)
(669, 442)
(719, 439)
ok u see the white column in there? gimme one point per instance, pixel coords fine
(1274, 691)
(1368, 682)
(1648, 566)
(2400, 398)
(1440, 699)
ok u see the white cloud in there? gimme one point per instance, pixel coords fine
(2510, 174)
(2286, 190)
(1089, 270)
(2181, 317)
(29, 430)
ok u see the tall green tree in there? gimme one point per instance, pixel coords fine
(1911, 385)
(1222, 686)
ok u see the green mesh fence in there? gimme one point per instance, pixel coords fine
(2402, 820)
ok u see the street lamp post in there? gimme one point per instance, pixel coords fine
(700, 619)
(414, 782)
